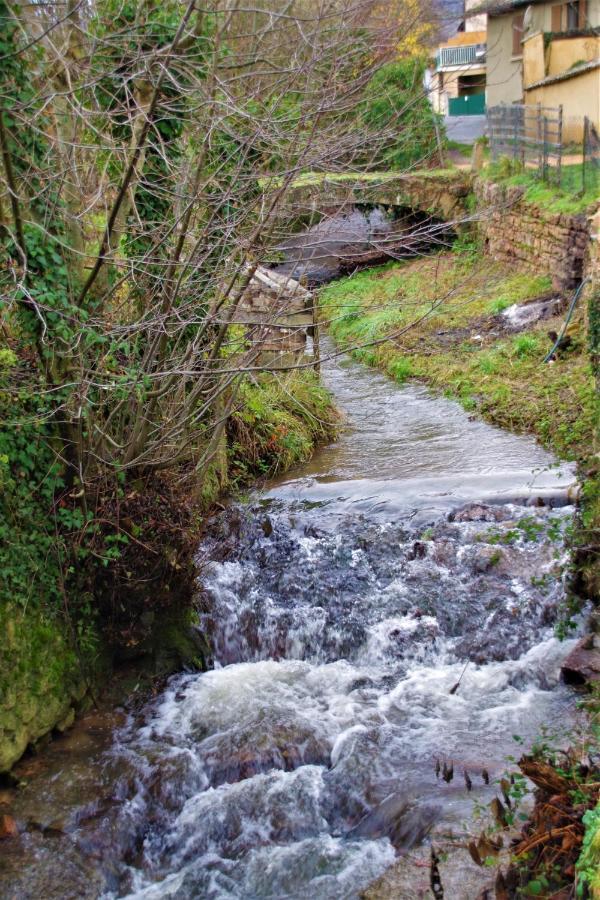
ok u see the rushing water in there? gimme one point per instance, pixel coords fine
(343, 601)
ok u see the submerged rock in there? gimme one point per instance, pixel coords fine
(478, 512)
(485, 558)
(234, 757)
(402, 821)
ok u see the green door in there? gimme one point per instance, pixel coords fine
(470, 105)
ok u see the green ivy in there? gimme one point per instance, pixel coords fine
(30, 553)
(588, 864)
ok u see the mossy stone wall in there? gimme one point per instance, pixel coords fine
(41, 682)
(443, 194)
(540, 241)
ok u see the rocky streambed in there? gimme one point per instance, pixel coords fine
(345, 603)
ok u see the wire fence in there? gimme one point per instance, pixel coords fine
(531, 135)
(590, 174)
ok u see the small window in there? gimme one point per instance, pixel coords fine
(517, 32)
(572, 16)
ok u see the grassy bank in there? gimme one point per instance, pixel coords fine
(569, 198)
(278, 423)
(437, 319)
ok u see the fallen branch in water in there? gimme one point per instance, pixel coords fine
(454, 689)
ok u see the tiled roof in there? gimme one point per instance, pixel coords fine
(499, 7)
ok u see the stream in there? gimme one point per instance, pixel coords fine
(343, 602)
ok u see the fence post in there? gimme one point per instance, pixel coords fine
(586, 127)
(539, 141)
(522, 117)
(515, 133)
(545, 150)
(560, 146)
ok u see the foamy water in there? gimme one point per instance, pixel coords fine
(344, 603)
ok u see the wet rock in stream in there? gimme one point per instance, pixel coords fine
(477, 576)
(308, 756)
(398, 818)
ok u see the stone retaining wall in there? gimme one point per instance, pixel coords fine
(518, 232)
(276, 310)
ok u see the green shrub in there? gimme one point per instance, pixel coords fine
(395, 100)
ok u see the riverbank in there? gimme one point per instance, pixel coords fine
(129, 601)
(443, 320)
(478, 331)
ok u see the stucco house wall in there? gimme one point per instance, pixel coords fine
(534, 59)
(564, 52)
(579, 96)
(564, 71)
(443, 83)
(475, 22)
(504, 71)
(513, 77)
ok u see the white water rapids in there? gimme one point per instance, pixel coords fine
(343, 602)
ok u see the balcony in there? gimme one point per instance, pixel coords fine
(469, 55)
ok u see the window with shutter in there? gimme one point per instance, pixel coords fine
(556, 24)
(517, 33)
(571, 16)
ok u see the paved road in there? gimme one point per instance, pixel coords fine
(465, 129)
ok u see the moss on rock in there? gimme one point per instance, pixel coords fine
(40, 679)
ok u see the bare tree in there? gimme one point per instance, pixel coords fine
(147, 150)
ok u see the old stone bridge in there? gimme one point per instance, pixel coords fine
(438, 193)
(277, 310)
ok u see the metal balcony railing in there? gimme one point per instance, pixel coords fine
(472, 54)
